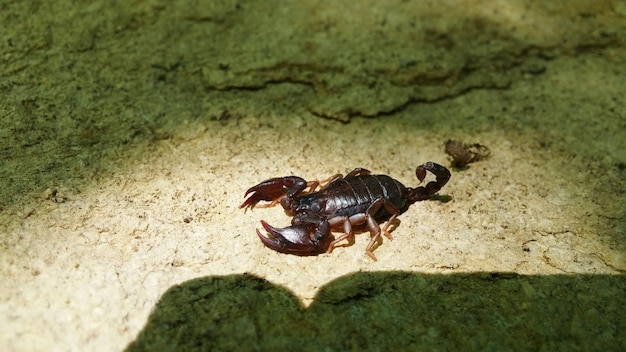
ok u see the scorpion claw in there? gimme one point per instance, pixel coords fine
(292, 240)
(273, 189)
(267, 190)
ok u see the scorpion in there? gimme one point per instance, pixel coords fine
(358, 199)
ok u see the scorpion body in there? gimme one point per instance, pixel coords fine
(353, 195)
(357, 199)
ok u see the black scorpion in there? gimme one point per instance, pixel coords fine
(354, 200)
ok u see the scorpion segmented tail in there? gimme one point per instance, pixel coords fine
(424, 192)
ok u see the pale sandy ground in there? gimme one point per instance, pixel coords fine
(151, 119)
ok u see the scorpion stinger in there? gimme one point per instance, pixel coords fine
(442, 175)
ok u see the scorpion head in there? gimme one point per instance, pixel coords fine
(295, 239)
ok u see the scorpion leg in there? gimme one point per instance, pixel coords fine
(323, 183)
(358, 171)
(347, 222)
(372, 225)
(334, 178)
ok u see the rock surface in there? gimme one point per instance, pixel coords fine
(131, 130)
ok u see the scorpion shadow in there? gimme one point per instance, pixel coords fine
(387, 311)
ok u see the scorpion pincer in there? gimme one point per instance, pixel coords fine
(354, 200)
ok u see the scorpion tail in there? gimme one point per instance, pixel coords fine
(442, 175)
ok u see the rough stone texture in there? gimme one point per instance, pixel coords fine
(129, 132)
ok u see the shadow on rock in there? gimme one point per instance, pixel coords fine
(398, 311)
